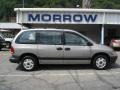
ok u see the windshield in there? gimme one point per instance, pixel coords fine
(1, 38)
(1, 35)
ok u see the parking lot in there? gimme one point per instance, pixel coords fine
(57, 77)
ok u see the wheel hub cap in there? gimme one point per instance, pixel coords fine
(28, 64)
(101, 62)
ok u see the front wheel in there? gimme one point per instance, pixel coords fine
(29, 63)
(101, 62)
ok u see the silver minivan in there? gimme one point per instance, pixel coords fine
(58, 46)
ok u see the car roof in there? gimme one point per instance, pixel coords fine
(50, 29)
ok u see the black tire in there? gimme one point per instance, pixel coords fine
(100, 65)
(31, 60)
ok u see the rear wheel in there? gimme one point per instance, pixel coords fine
(101, 62)
(29, 63)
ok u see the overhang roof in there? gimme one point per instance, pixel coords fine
(68, 9)
(11, 26)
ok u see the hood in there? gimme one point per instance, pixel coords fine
(103, 47)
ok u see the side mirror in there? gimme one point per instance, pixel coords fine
(89, 44)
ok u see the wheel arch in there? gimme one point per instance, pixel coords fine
(28, 54)
(100, 53)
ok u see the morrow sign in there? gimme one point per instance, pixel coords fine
(67, 16)
(61, 18)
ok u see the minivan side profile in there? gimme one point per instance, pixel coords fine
(58, 46)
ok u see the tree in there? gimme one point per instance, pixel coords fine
(7, 11)
(7, 6)
(106, 4)
(86, 3)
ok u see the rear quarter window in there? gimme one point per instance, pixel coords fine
(27, 37)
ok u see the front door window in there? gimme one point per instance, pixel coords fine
(74, 39)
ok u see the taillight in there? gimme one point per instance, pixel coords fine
(114, 41)
(12, 50)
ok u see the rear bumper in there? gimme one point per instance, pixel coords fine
(3, 45)
(14, 59)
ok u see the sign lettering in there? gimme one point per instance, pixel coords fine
(62, 18)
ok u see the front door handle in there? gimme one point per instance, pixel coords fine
(59, 48)
(67, 49)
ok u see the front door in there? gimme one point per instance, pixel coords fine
(76, 50)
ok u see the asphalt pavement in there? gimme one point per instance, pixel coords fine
(57, 77)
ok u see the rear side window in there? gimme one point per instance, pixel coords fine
(50, 37)
(27, 37)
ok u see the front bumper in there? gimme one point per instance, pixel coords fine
(113, 59)
(14, 59)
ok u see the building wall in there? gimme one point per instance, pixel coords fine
(86, 21)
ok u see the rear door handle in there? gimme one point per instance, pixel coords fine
(59, 48)
(67, 49)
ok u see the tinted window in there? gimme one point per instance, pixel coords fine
(27, 37)
(74, 39)
(50, 37)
